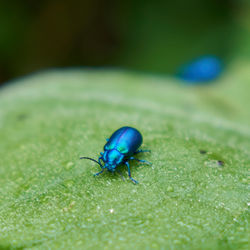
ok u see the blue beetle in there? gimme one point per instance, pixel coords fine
(202, 69)
(119, 149)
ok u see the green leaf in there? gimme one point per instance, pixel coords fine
(194, 196)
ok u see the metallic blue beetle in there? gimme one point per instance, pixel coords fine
(119, 149)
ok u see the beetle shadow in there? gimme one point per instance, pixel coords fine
(122, 172)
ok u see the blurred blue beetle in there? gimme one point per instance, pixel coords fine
(202, 69)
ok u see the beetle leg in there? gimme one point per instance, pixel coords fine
(107, 139)
(99, 172)
(99, 160)
(120, 173)
(143, 161)
(142, 151)
(129, 173)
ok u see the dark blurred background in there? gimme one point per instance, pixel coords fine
(150, 36)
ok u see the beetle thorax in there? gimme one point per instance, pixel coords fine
(112, 159)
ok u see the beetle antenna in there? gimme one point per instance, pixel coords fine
(91, 160)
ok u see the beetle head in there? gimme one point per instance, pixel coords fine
(112, 159)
